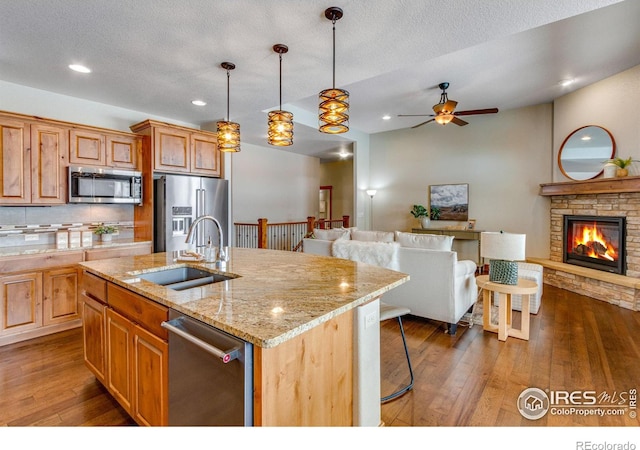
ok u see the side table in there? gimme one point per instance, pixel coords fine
(504, 328)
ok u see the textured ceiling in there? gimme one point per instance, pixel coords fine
(156, 56)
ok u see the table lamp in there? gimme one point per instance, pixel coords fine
(503, 250)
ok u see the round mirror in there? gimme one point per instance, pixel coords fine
(584, 152)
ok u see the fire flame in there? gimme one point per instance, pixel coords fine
(597, 247)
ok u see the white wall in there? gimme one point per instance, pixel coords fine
(277, 185)
(614, 104)
(503, 158)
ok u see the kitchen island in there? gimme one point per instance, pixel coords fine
(299, 311)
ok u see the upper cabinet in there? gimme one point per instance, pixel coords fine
(96, 148)
(177, 149)
(34, 160)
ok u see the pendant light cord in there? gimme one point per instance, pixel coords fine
(280, 56)
(228, 78)
(334, 51)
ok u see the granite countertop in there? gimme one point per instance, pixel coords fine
(20, 250)
(273, 296)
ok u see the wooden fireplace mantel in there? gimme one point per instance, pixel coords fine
(597, 186)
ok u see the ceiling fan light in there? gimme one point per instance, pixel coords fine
(228, 135)
(444, 119)
(280, 131)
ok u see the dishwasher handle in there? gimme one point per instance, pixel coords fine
(225, 355)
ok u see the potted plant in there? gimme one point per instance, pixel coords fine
(420, 212)
(105, 232)
(623, 165)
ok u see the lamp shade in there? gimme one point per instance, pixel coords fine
(506, 246)
(371, 192)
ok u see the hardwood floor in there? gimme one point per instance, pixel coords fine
(470, 379)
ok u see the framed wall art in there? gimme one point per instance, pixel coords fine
(452, 200)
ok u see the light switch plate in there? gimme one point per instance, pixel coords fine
(31, 237)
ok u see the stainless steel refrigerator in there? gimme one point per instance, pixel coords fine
(178, 201)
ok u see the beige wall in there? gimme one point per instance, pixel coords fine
(503, 158)
(277, 185)
(613, 103)
(339, 175)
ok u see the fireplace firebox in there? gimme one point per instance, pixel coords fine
(597, 242)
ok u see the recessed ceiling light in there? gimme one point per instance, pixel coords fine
(566, 82)
(198, 102)
(386, 117)
(79, 68)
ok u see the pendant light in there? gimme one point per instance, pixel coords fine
(280, 122)
(228, 132)
(333, 113)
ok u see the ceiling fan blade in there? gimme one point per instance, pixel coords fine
(415, 115)
(420, 124)
(459, 121)
(476, 111)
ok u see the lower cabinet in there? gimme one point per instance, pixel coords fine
(122, 351)
(38, 303)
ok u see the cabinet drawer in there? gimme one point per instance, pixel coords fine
(40, 261)
(146, 313)
(117, 252)
(94, 286)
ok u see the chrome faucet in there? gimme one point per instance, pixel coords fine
(221, 255)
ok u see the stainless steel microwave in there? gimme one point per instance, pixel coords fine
(98, 185)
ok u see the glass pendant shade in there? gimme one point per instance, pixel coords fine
(334, 111)
(280, 128)
(228, 136)
(444, 119)
(228, 133)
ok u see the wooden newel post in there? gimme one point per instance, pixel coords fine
(321, 224)
(262, 233)
(310, 222)
(345, 221)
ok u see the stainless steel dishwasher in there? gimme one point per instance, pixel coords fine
(210, 375)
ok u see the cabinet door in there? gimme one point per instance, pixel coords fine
(119, 359)
(49, 154)
(20, 302)
(205, 156)
(171, 150)
(60, 291)
(15, 163)
(94, 336)
(150, 384)
(87, 147)
(122, 151)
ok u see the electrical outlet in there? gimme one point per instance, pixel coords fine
(31, 237)
(370, 319)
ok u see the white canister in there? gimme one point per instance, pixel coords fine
(609, 170)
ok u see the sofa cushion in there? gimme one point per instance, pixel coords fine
(372, 236)
(428, 241)
(332, 235)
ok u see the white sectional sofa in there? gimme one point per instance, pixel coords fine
(440, 287)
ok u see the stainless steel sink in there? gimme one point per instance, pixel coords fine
(181, 278)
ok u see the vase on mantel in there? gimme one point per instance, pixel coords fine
(425, 222)
(610, 170)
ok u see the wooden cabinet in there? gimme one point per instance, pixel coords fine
(34, 160)
(126, 348)
(38, 295)
(181, 150)
(96, 148)
(20, 303)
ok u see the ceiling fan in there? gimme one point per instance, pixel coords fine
(444, 111)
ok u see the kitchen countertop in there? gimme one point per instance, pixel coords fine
(20, 250)
(275, 295)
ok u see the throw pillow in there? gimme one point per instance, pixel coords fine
(372, 236)
(428, 241)
(331, 235)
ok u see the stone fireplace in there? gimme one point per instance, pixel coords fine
(610, 200)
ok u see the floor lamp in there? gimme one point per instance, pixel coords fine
(371, 193)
